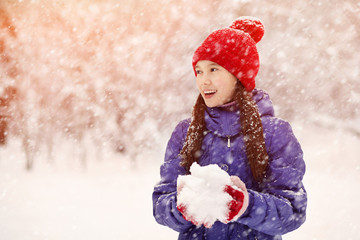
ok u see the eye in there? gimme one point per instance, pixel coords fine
(198, 71)
(213, 69)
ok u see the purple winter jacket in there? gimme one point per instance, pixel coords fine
(276, 207)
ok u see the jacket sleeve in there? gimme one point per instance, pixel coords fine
(280, 204)
(164, 195)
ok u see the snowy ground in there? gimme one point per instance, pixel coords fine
(111, 201)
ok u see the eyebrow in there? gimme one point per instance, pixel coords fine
(214, 64)
(211, 64)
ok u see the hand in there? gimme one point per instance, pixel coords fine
(179, 187)
(240, 196)
(237, 182)
(182, 208)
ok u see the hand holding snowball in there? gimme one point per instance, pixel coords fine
(210, 194)
(240, 196)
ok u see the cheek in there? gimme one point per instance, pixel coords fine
(197, 84)
(229, 89)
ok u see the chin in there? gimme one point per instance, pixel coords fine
(211, 105)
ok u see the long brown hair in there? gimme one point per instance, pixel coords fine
(251, 128)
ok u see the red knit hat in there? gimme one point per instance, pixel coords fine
(234, 48)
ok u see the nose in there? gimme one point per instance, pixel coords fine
(205, 79)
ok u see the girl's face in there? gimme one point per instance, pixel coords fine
(215, 83)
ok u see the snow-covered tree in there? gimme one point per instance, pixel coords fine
(120, 71)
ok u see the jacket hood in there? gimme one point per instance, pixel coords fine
(264, 103)
(224, 121)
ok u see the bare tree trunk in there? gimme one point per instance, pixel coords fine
(29, 149)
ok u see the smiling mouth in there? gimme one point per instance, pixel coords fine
(209, 93)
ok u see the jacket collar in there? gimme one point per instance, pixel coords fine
(224, 121)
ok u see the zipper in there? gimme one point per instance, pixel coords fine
(227, 128)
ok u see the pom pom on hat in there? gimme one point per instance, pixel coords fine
(234, 48)
(250, 25)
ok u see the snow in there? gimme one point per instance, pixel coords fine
(112, 200)
(101, 84)
(107, 201)
(203, 194)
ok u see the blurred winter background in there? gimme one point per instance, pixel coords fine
(91, 90)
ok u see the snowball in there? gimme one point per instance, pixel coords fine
(203, 193)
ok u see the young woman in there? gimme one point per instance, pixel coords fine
(233, 125)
